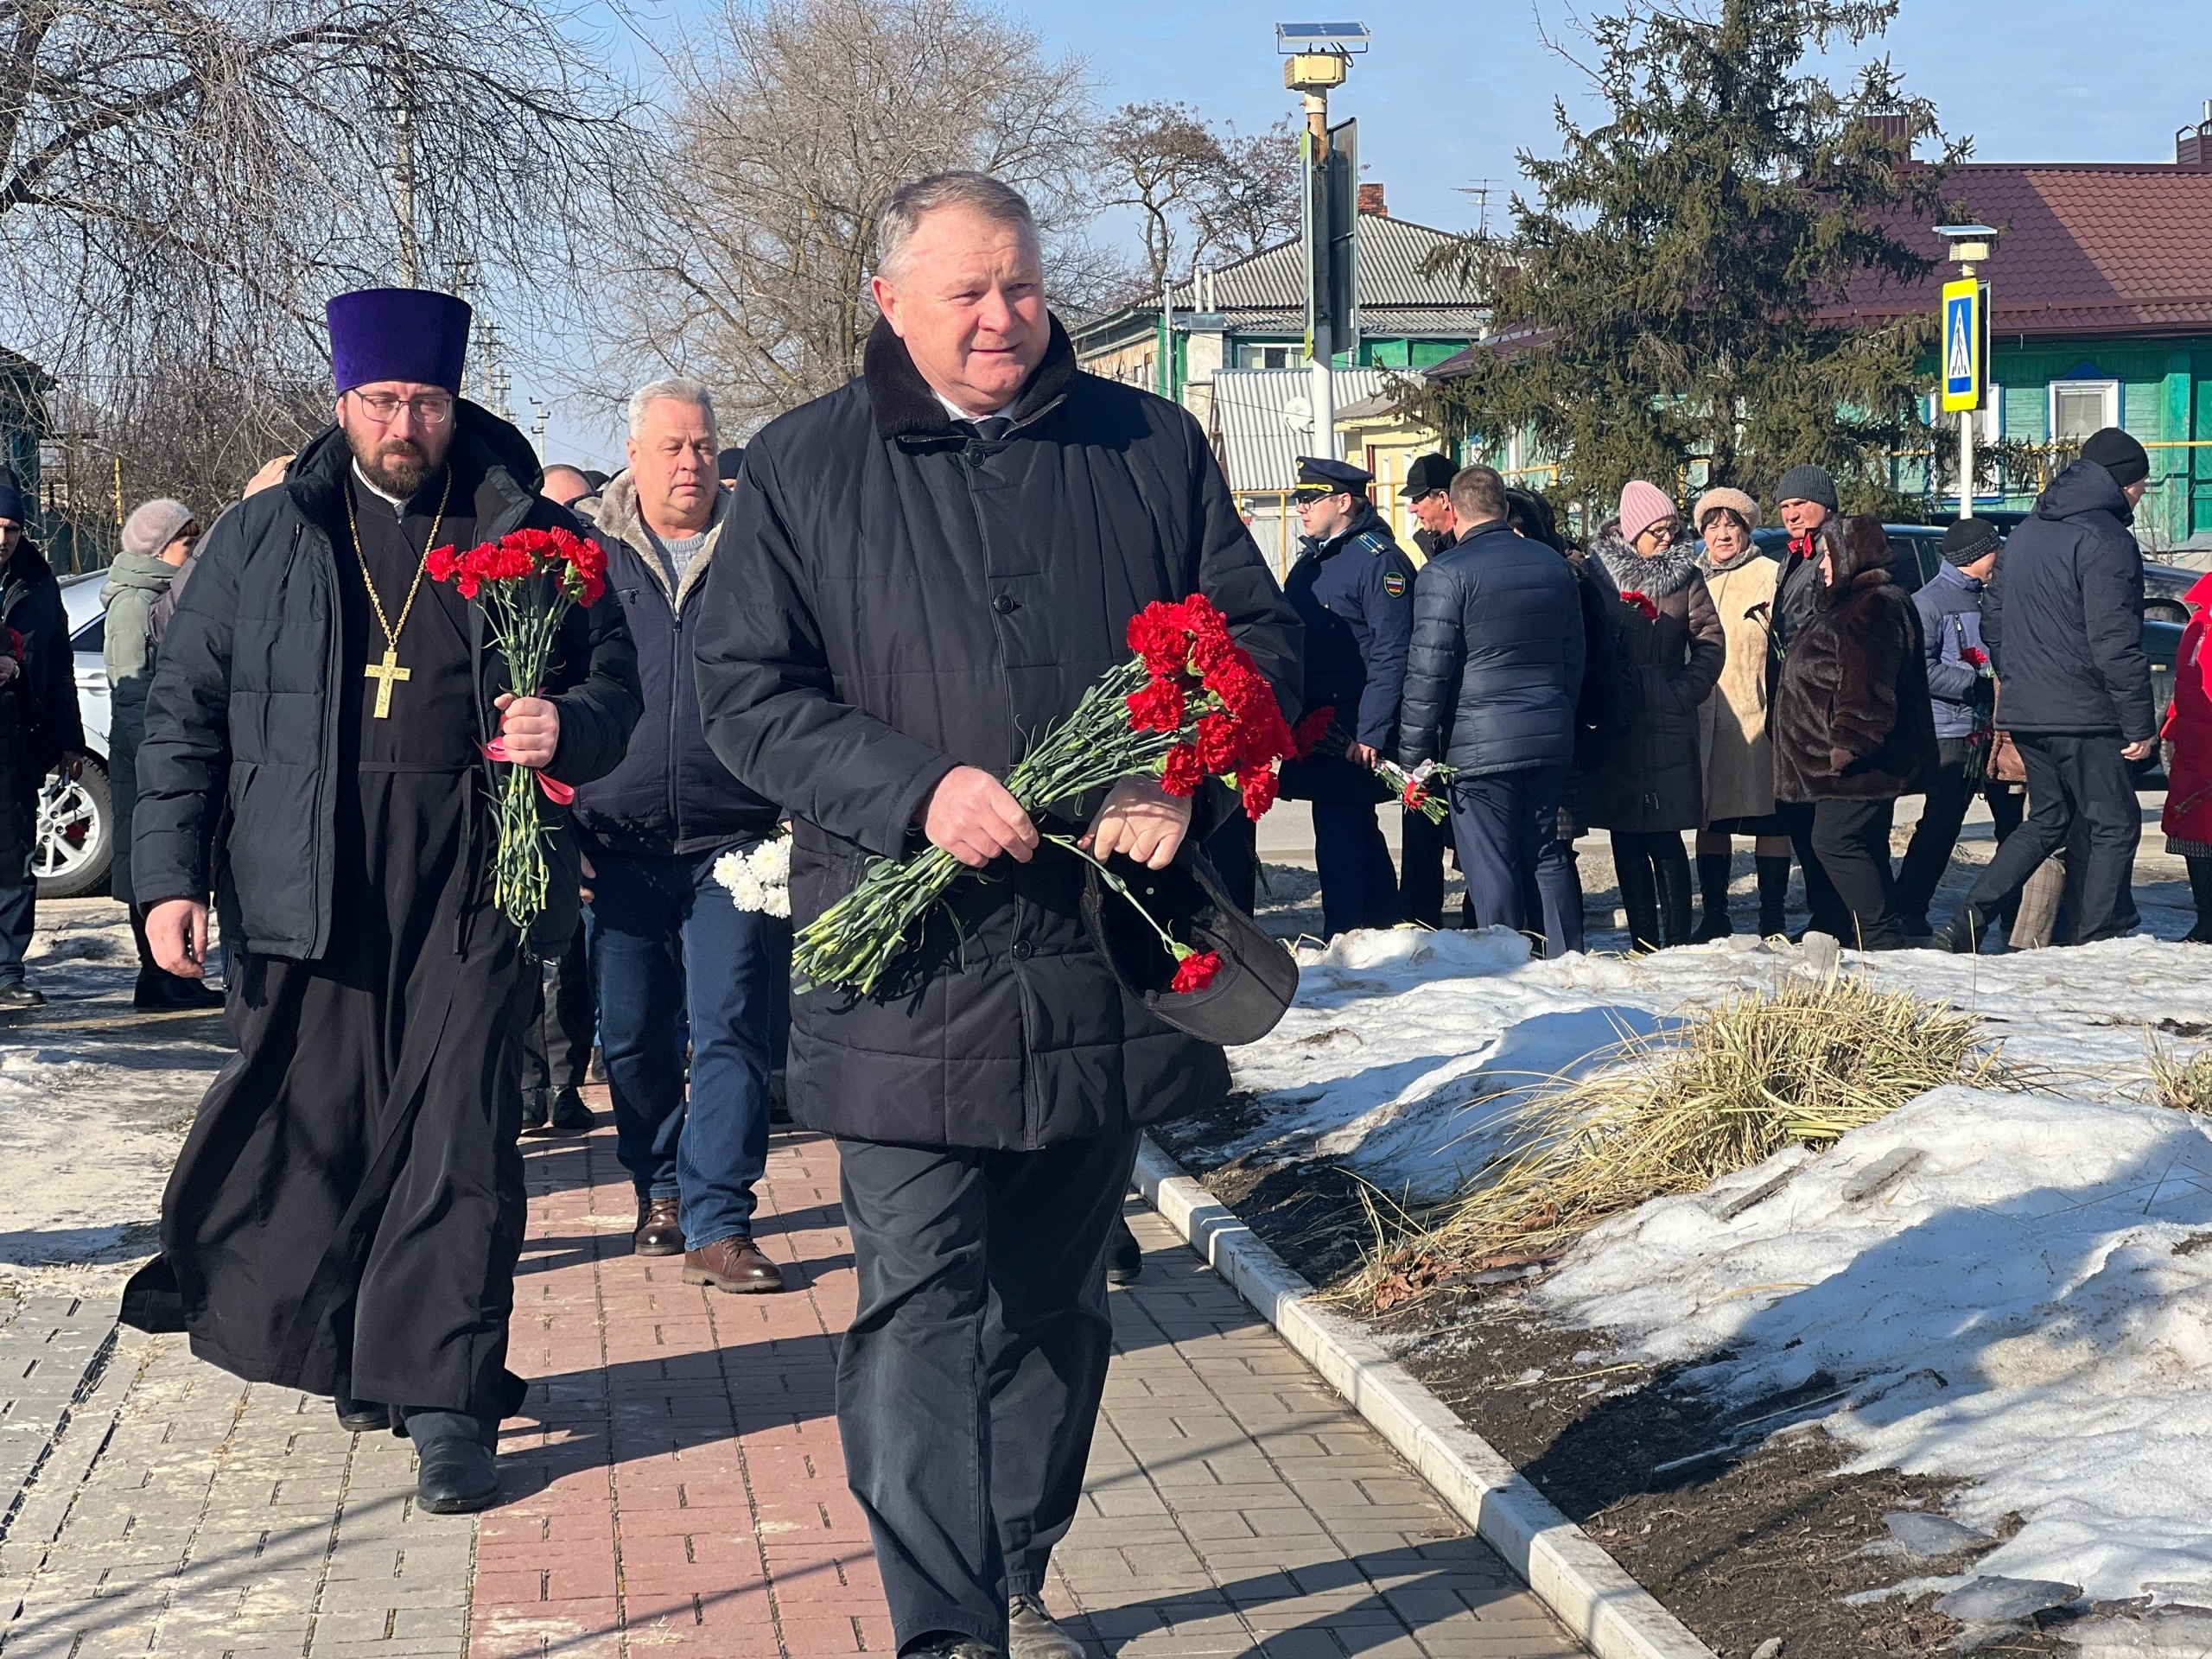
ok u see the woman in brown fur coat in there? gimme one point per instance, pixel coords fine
(1852, 725)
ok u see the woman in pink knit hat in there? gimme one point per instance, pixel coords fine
(1648, 788)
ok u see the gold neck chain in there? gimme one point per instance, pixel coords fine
(390, 634)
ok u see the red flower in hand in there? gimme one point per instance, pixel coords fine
(1259, 785)
(1416, 794)
(1973, 657)
(1195, 972)
(1306, 736)
(1158, 708)
(1641, 601)
(1182, 774)
(1156, 633)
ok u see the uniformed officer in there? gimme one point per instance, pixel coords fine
(1353, 587)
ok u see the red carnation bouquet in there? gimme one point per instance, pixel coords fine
(526, 581)
(1636, 599)
(1189, 705)
(1420, 790)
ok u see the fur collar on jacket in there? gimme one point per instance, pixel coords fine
(1662, 574)
(907, 407)
(613, 513)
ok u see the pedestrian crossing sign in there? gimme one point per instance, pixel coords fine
(1962, 365)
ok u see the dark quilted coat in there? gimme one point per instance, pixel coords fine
(1851, 719)
(241, 718)
(1645, 775)
(1495, 668)
(892, 598)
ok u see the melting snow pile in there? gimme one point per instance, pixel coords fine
(2013, 1288)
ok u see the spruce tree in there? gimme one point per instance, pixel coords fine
(1658, 303)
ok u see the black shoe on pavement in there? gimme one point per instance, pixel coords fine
(1032, 1633)
(1124, 1256)
(16, 994)
(160, 992)
(533, 1111)
(945, 1645)
(570, 1115)
(456, 1477)
(362, 1416)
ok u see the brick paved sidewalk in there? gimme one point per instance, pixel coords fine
(676, 1486)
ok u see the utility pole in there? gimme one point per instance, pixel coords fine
(539, 422)
(1319, 57)
(403, 190)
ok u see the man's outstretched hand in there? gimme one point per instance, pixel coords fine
(176, 932)
(970, 815)
(1141, 821)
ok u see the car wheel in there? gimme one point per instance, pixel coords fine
(76, 834)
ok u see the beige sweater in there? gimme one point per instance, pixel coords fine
(1731, 726)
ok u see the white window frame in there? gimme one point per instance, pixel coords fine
(2110, 388)
(1989, 419)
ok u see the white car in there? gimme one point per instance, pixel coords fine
(76, 818)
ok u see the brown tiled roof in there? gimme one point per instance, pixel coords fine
(2086, 249)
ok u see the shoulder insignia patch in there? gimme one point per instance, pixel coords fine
(1393, 583)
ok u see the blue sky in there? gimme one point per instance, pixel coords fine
(1449, 93)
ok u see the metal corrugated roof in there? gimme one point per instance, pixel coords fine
(1390, 255)
(1376, 322)
(1264, 420)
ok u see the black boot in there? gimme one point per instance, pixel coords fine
(1672, 871)
(1774, 895)
(1639, 896)
(2200, 889)
(1712, 882)
(1965, 932)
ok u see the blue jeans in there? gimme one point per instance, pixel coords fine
(1506, 827)
(1359, 888)
(666, 937)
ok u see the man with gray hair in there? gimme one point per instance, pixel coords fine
(664, 935)
(922, 572)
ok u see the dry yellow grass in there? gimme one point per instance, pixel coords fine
(1672, 1112)
(2181, 1081)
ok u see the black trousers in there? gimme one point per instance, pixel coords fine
(1421, 869)
(1852, 840)
(556, 1040)
(969, 1385)
(2078, 787)
(1942, 811)
(1824, 909)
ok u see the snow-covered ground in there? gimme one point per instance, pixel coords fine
(2027, 1306)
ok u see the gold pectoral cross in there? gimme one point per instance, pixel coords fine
(383, 674)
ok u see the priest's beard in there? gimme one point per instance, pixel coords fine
(398, 466)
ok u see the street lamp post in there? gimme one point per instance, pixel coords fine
(1318, 57)
(1970, 246)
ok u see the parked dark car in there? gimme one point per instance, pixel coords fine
(1917, 550)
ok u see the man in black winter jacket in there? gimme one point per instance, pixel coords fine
(921, 572)
(2063, 620)
(1491, 684)
(665, 933)
(38, 697)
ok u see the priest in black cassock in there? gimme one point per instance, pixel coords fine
(346, 1212)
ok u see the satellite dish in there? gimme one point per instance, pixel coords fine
(1298, 413)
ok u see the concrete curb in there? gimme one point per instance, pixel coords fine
(1615, 1617)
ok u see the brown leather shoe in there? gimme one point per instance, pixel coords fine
(732, 1263)
(658, 1233)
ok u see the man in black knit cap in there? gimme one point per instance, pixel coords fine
(2062, 618)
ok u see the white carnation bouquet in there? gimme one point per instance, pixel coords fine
(758, 877)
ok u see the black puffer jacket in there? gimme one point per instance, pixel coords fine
(892, 599)
(1495, 668)
(241, 721)
(2062, 615)
(1851, 719)
(45, 687)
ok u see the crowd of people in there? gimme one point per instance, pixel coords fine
(1672, 678)
(845, 632)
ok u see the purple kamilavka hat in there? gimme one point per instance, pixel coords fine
(398, 334)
